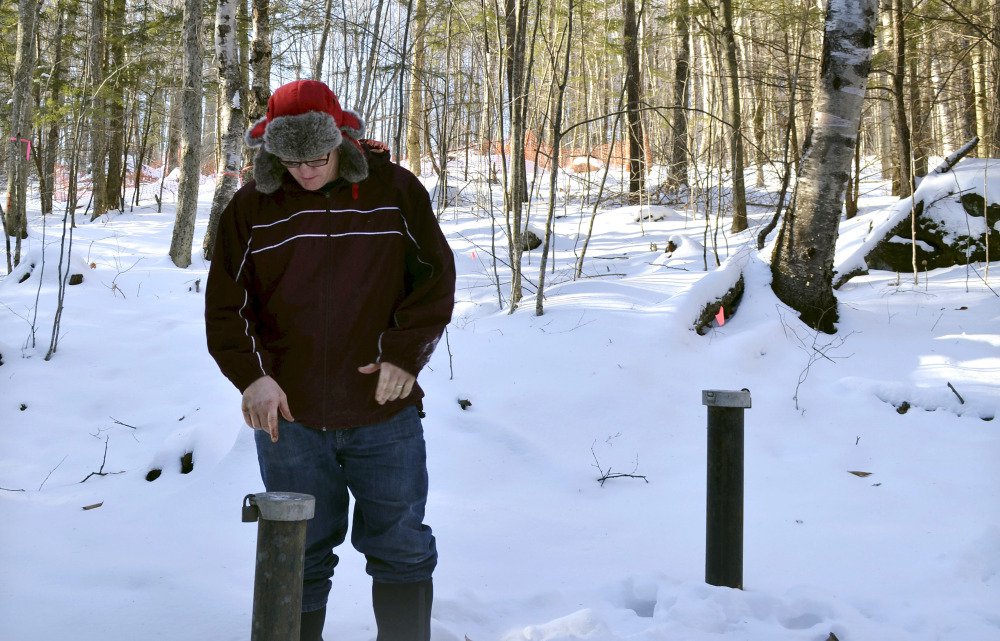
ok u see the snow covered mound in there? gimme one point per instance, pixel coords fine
(957, 222)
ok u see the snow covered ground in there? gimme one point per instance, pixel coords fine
(532, 547)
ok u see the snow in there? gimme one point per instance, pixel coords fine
(532, 546)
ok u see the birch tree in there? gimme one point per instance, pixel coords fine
(190, 178)
(260, 62)
(994, 108)
(230, 116)
(802, 265)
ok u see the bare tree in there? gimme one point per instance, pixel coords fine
(187, 191)
(415, 113)
(677, 175)
(116, 107)
(317, 71)
(633, 84)
(98, 122)
(517, 191)
(557, 135)
(736, 116)
(904, 154)
(21, 127)
(802, 265)
(66, 16)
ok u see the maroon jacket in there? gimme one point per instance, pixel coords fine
(307, 286)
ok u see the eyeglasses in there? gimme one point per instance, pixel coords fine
(294, 164)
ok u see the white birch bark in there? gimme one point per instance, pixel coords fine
(803, 259)
(260, 64)
(231, 120)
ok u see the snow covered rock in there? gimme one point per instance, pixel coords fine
(945, 236)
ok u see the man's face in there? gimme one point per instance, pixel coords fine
(313, 178)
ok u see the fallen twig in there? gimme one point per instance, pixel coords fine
(605, 475)
(51, 471)
(101, 471)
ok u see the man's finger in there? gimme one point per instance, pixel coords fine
(272, 423)
(286, 412)
(370, 368)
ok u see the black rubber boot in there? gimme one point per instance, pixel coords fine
(312, 625)
(403, 610)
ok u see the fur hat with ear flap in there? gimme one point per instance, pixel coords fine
(304, 121)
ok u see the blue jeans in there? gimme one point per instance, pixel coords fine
(384, 466)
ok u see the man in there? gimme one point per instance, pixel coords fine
(330, 286)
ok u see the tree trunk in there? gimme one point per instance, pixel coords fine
(415, 117)
(758, 88)
(187, 191)
(736, 132)
(98, 120)
(116, 109)
(21, 129)
(370, 67)
(633, 84)
(556, 120)
(517, 23)
(967, 91)
(980, 70)
(677, 172)
(802, 266)
(230, 116)
(66, 18)
(994, 148)
(904, 154)
(317, 71)
(260, 65)
(915, 103)
(172, 153)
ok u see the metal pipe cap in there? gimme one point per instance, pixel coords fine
(285, 506)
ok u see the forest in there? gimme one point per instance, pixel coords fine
(646, 200)
(678, 96)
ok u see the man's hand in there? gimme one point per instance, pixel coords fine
(393, 383)
(261, 403)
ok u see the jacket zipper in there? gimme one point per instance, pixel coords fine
(325, 301)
